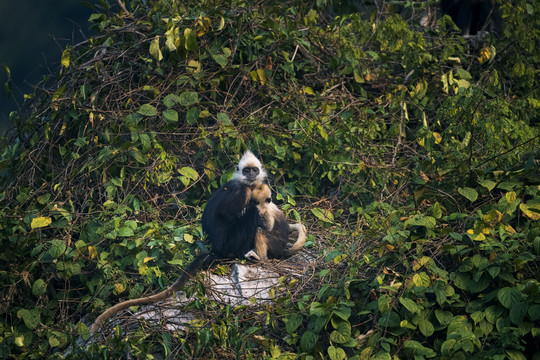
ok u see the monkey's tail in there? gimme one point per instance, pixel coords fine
(201, 262)
(301, 240)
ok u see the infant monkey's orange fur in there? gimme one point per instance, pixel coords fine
(273, 235)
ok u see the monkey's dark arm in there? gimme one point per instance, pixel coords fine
(233, 201)
(201, 262)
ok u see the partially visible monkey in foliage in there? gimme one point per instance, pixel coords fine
(473, 16)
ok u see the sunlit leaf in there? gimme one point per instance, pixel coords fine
(189, 172)
(324, 215)
(65, 58)
(155, 51)
(40, 222)
(531, 210)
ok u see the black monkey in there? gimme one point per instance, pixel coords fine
(473, 16)
(230, 220)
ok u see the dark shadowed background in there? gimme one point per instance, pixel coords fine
(33, 35)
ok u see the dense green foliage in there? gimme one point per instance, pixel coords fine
(410, 153)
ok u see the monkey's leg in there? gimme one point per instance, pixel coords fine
(260, 253)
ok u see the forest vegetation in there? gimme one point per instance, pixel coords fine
(410, 153)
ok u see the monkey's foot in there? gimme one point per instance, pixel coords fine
(252, 255)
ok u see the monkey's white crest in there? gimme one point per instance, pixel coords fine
(249, 162)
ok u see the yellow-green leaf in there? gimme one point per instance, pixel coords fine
(510, 197)
(19, 340)
(221, 23)
(155, 51)
(92, 252)
(532, 211)
(40, 222)
(262, 76)
(65, 58)
(188, 238)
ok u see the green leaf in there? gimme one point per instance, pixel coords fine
(40, 222)
(426, 327)
(125, 231)
(170, 115)
(221, 59)
(193, 115)
(293, 323)
(223, 118)
(468, 193)
(421, 220)
(31, 318)
(308, 341)
(191, 40)
(57, 248)
(335, 353)
(447, 346)
(463, 74)
(488, 184)
(53, 341)
(136, 154)
(188, 98)
(343, 312)
(515, 355)
(409, 304)
(509, 297)
(384, 303)
(419, 350)
(518, 312)
(534, 312)
(324, 215)
(145, 141)
(421, 279)
(391, 319)
(171, 100)
(486, 327)
(342, 334)
(39, 288)
(436, 210)
(536, 245)
(444, 317)
(154, 50)
(147, 110)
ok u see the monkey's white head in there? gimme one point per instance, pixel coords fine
(249, 169)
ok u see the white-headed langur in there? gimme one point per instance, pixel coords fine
(231, 220)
